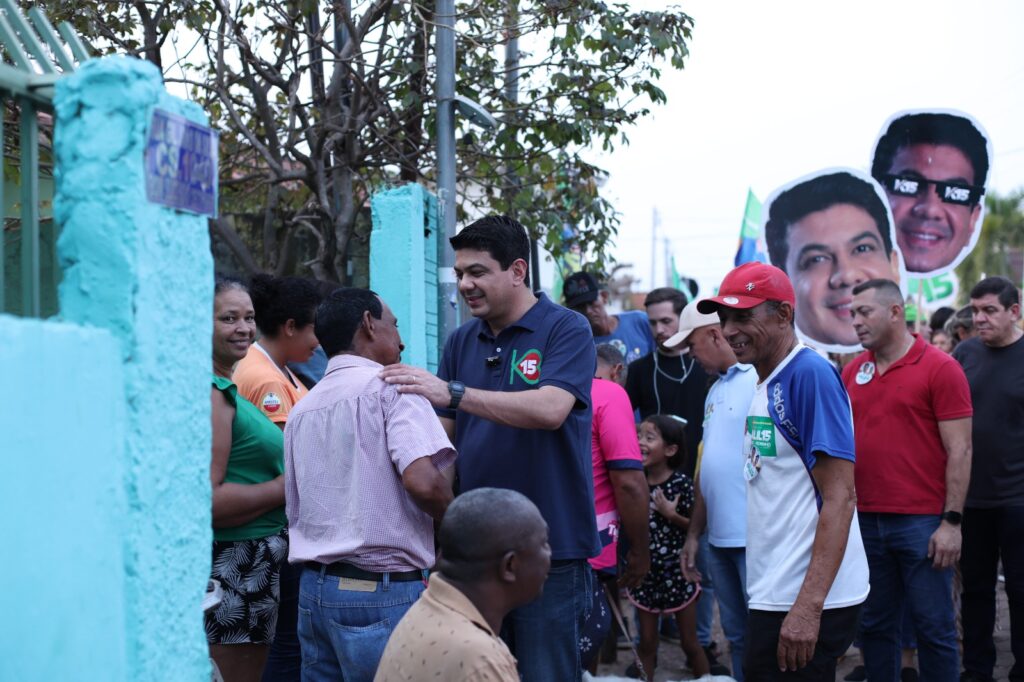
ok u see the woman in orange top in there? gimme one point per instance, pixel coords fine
(285, 308)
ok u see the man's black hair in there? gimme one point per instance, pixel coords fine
(938, 319)
(819, 194)
(887, 289)
(1004, 290)
(339, 316)
(502, 237)
(279, 299)
(935, 129)
(662, 294)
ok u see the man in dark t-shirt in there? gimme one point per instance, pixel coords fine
(994, 512)
(667, 381)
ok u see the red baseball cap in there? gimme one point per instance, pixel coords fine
(749, 285)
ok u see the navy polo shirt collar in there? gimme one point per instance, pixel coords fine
(530, 320)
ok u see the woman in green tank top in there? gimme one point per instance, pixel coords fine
(247, 478)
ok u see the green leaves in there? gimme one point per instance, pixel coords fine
(580, 92)
(1000, 245)
(295, 161)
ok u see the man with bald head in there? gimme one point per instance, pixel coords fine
(489, 563)
(912, 425)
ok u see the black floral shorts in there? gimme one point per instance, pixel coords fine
(249, 572)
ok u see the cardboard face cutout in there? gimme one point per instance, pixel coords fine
(933, 165)
(830, 231)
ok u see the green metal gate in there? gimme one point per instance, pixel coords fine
(34, 58)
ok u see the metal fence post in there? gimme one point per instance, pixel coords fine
(31, 277)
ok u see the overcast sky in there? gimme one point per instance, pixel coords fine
(775, 90)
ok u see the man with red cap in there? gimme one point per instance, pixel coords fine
(807, 574)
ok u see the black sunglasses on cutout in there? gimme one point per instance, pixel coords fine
(957, 193)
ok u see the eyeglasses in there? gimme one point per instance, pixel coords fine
(950, 192)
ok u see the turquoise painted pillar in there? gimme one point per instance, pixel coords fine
(144, 273)
(403, 267)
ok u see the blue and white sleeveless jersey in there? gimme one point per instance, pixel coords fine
(798, 412)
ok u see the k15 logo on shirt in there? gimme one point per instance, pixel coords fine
(527, 366)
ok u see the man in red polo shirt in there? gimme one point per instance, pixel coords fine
(912, 425)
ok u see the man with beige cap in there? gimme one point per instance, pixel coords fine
(721, 494)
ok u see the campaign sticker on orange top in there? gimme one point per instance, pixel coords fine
(271, 403)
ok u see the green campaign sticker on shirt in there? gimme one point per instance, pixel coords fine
(762, 435)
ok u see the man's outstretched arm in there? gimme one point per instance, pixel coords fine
(544, 408)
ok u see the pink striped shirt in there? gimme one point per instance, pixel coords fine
(345, 448)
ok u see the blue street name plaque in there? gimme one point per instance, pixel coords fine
(181, 164)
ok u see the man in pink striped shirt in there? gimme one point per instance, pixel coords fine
(363, 487)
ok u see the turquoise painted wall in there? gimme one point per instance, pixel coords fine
(403, 267)
(108, 414)
(63, 573)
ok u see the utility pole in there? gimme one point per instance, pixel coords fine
(654, 245)
(511, 102)
(447, 291)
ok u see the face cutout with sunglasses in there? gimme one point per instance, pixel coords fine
(936, 206)
(949, 192)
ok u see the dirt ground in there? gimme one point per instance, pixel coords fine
(672, 662)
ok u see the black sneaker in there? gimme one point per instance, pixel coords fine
(971, 676)
(908, 675)
(716, 668)
(858, 674)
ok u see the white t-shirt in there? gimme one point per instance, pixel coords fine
(805, 396)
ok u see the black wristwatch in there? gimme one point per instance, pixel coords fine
(952, 517)
(457, 389)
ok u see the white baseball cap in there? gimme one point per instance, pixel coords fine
(690, 319)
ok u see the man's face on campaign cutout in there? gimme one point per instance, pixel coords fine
(830, 252)
(931, 233)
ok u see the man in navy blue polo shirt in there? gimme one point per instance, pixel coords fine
(513, 391)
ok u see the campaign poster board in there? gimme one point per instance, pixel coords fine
(829, 231)
(934, 165)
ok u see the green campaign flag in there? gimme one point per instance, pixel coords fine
(751, 217)
(677, 281)
(750, 247)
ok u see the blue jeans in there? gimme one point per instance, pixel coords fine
(544, 635)
(706, 603)
(729, 569)
(901, 572)
(342, 633)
